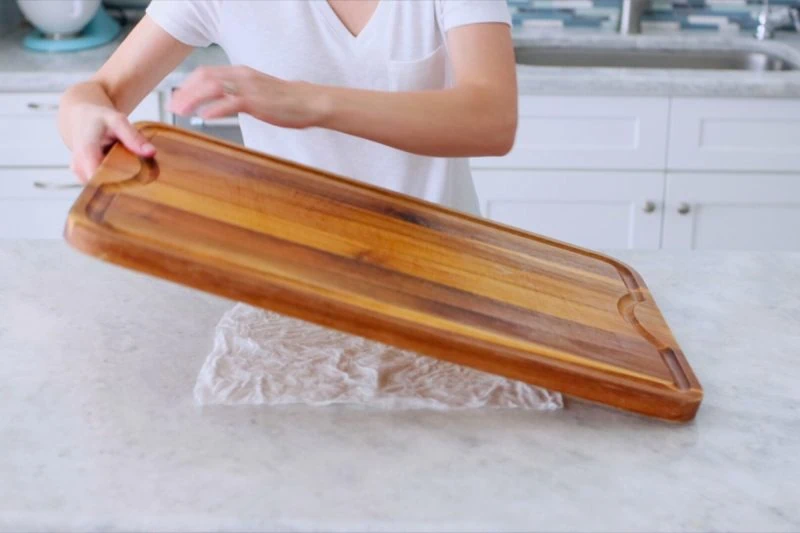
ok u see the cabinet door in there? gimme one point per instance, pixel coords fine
(751, 134)
(29, 135)
(732, 211)
(599, 210)
(588, 133)
(28, 211)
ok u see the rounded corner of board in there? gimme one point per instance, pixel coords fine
(683, 405)
(83, 236)
(74, 230)
(625, 270)
(688, 411)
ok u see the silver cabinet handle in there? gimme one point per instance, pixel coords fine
(649, 206)
(684, 208)
(50, 186)
(36, 106)
(200, 122)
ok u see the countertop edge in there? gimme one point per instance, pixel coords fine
(24, 71)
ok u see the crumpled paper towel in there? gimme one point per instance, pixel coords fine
(263, 358)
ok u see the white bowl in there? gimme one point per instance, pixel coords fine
(59, 17)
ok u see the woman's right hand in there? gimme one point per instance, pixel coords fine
(96, 129)
(93, 114)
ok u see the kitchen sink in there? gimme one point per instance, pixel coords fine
(709, 59)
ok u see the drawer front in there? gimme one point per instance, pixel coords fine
(574, 132)
(735, 134)
(29, 133)
(34, 202)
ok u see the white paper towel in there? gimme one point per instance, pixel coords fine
(263, 358)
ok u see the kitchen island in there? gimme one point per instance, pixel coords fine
(98, 429)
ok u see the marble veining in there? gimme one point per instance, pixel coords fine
(99, 432)
(22, 70)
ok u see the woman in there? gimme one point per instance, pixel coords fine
(392, 92)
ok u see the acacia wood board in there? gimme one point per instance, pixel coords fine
(386, 266)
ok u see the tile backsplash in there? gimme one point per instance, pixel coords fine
(661, 16)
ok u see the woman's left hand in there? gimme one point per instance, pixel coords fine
(213, 92)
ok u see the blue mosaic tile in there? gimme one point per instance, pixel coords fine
(727, 14)
(583, 23)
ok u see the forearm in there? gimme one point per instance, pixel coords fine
(477, 117)
(461, 122)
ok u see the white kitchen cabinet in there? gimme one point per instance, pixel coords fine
(598, 210)
(759, 211)
(577, 132)
(740, 134)
(31, 150)
(583, 169)
(28, 131)
(31, 212)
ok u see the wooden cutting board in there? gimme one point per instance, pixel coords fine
(386, 266)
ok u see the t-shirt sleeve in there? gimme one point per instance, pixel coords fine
(454, 13)
(193, 22)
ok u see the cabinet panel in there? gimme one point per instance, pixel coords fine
(732, 212)
(29, 212)
(29, 133)
(576, 132)
(734, 134)
(599, 210)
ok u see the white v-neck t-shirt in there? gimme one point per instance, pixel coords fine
(402, 48)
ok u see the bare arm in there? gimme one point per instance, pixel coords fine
(476, 117)
(93, 114)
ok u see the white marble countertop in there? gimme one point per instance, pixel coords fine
(23, 70)
(98, 430)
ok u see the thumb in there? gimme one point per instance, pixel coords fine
(130, 137)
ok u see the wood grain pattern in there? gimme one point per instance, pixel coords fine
(389, 267)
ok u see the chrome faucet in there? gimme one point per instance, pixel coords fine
(768, 21)
(630, 19)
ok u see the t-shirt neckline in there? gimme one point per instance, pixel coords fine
(340, 30)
